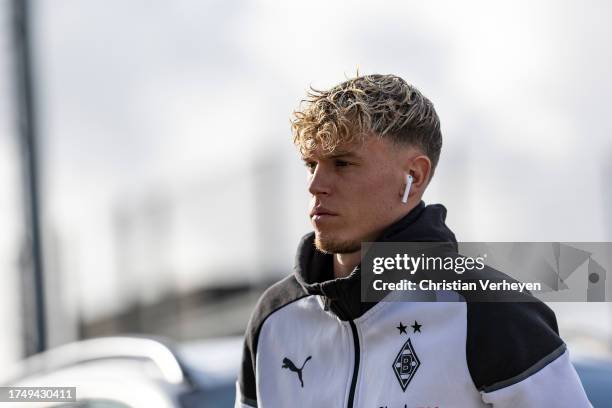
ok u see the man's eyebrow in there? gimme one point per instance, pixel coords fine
(343, 154)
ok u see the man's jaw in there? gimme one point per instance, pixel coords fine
(330, 245)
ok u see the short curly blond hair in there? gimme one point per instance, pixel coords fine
(380, 105)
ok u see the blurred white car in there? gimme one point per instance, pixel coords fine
(134, 372)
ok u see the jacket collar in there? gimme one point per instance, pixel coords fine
(314, 269)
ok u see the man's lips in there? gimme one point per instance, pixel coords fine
(320, 213)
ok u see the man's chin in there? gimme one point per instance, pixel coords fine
(335, 246)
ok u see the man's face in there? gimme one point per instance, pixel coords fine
(355, 193)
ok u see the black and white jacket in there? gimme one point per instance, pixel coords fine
(311, 342)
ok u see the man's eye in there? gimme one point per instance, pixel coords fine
(342, 163)
(310, 166)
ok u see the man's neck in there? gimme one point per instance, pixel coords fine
(345, 263)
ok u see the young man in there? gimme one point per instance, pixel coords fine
(312, 342)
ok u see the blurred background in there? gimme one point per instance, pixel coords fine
(150, 185)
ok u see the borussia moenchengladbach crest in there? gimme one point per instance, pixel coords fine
(406, 364)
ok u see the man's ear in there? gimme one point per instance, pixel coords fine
(418, 166)
(420, 169)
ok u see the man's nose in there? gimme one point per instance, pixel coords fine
(319, 182)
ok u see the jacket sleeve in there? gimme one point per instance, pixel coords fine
(548, 383)
(517, 359)
(274, 298)
(246, 391)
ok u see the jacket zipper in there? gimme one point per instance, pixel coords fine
(351, 396)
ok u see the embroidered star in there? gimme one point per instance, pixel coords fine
(402, 328)
(416, 327)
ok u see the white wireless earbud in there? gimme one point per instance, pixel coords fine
(407, 190)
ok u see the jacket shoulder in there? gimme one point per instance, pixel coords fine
(509, 341)
(277, 296)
